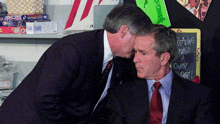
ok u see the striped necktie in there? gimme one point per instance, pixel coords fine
(106, 71)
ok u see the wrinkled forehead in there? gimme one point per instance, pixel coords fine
(146, 41)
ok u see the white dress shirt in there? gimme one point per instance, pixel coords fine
(107, 57)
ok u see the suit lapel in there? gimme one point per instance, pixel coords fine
(177, 99)
(138, 102)
(100, 47)
(117, 70)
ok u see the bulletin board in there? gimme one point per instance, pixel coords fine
(188, 56)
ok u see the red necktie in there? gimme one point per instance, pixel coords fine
(156, 110)
(103, 82)
(106, 72)
(104, 79)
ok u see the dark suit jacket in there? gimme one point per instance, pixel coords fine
(63, 86)
(189, 103)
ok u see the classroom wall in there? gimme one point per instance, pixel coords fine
(24, 50)
(180, 18)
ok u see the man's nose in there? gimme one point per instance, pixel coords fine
(136, 58)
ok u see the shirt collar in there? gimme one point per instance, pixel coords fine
(165, 81)
(107, 50)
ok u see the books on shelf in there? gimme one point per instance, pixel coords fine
(12, 30)
(25, 17)
(13, 23)
(17, 24)
(20, 20)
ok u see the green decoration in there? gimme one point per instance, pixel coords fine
(156, 10)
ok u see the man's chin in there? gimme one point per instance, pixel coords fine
(128, 56)
(140, 75)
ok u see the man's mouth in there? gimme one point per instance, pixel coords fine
(138, 68)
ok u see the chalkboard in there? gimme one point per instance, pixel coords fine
(187, 61)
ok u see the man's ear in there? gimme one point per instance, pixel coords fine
(123, 30)
(165, 57)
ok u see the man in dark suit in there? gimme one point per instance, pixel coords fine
(179, 101)
(64, 86)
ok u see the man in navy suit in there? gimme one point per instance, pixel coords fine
(64, 85)
(183, 101)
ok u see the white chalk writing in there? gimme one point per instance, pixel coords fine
(181, 66)
(187, 75)
(184, 50)
(185, 41)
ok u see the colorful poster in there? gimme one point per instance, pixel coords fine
(198, 8)
(156, 10)
(82, 12)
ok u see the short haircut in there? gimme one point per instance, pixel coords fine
(128, 14)
(165, 39)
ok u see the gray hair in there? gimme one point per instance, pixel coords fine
(165, 39)
(129, 15)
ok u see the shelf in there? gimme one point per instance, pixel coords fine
(44, 36)
(58, 13)
(41, 36)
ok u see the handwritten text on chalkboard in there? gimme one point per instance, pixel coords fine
(184, 63)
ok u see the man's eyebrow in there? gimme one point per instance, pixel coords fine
(139, 50)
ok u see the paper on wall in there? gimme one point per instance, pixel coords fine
(156, 10)
(198, 8)
(81, 15)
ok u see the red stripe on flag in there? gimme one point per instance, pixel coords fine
(87, 9)
(100, 1)
(72, 14)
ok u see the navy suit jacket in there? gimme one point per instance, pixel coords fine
(189, 103)
(63, 86)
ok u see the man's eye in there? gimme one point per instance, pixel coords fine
(143, 53)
